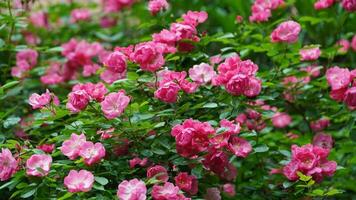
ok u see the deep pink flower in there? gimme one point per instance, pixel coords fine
(106, 134)
(187, 183)
(132, 190)
(158, 172)
(90, 69)
(38, 165)
(168, 92)
(47, 148)
(216, 161)
(192, 137)
(95, 91)
(92, 153)
(81, 181)
(338, 95)
(286, 32)
(350, 97)
(77, 100)
(322, 4)
(194, 18)
(349, 5)
(166, 192)
(260, 13)
(39, 101)
(320, 124)
(79, 15)
(281, 120)
(344, 45)
(8, 164)
(107, 22)
(155, 6)
(149, 55)
(323, 140)
(308, 54)
(202, 73)
(72, 147)
(114, 104)
(229, 189)
(137, 161)
(109, 77)
(353, 43)
(239, 146)
(27, 55)
(116, 62)
(338, 77)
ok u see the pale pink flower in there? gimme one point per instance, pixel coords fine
(90, 69)
(322, 4)
(79, 15)
(38, 165)
(286, 32)
(343, 45)
(239, 146)
(39, 19)
(39, 101)
(8, 164)
(81, 181)
(110, 77)
(132, 190)
(155, 6)
(353, 43)
(158, 172)
(29, 56)
(71, 147)
(116, 62)
(106, 134)
(281, 120)
(212, 194)
(166, 192)
(215, 59)
(114, 104)
(194, 18)
(92, 153)
(202, 73)
(338, 77)
(308, 54)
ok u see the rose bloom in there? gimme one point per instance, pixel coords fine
(149, 55)
(319, 125)
(286, 32)
(309, 54)
(281, 120)
(77, 101)
(8, 164)
(187, 183)
(92, 153)
(47, 148)
(344, 45)
(38, 165)
(116, 62)
(212, 194)
(158, 172)
(202, 73)
(229, 189)
(27, 55)
(39, 101)
(195, 18)
(39, 19)
(240, 147)
(154, 6)
(166, 192)
(322, 4)
(349, 5)
(168, 92)
(350, 97)
(71, 147)
(353, 43)
(79, 181)
(114, 104)
(338, 78)
(137, 161)
(110, 77)
(323, 140)
(79, 15)
(132, 190)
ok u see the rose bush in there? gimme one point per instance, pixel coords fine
(171, 100)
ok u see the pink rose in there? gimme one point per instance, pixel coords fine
(116, 62)
(149, 55)
(187, 183)
(77, 100)
(38, 165)
(110, 77)
(168, 92)
(350, 97)
(281, 120)
(155, 6)
(353, 43)
(229, 189)
(309, 54)
(39, 19)
(344, 45)
(322, 4)
(323, 140)
(137, 161)
(8, 164)
(79, 15)
(81, 181)
(240, 147)
(319, 125)
(92, 153)
(47, 148)
(202, 73)
(286, 32)
(114, 104)
(212, 194)
(349, 5)
(132, 190)
(166, 192)
(158, 172)
(39, 101)
(338, 77)
(194, 18)
(71, 147)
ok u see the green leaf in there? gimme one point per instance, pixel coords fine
(29, 193)
(11, 121)
(210, 105)
(262, 148)
(101, 180)
(66, 196)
